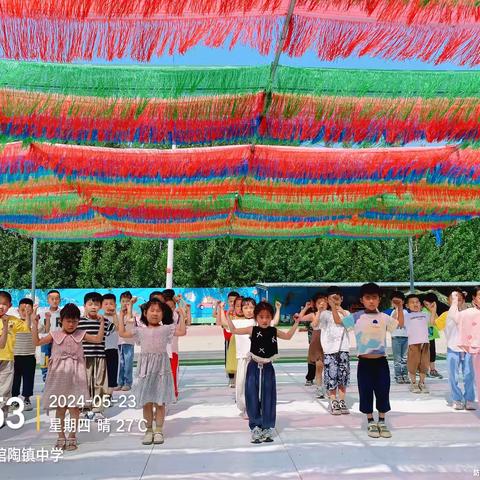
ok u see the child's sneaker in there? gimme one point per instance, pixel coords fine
(423, 388)
(308, 383)
(435, 374)
(343, 407)
(126, 388)
(257, 435)
(335, 407)
(470, 406)
(320, 393)
(158, 438)
(372, 430)
(414, 388)
(148, 438)
(28, 405)
(98, 416)
(383, 430)
(458, 405)
(231, 382)
(267, 435)
(399, 379)
(406, 380)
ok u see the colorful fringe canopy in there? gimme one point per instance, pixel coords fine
(79, 193)
(196, 105)
(66, 30)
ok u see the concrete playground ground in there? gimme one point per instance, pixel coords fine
(206, 439)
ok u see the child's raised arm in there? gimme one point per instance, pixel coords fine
(306, 318)
(218, 318)
(122, 332)
(36, 340)
(432, 308)
(453, 310)
(48, 317)
(223, 317)
(335, 311)
(99, 336)
(276, 318)
(181, 329)
(233, 329)
(3, 337)
(288, 335)
(398, 312)
(188, 320)
(316, 319)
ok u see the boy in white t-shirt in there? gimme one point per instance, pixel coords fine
(49, 318)
(417, 322)
(336, 347)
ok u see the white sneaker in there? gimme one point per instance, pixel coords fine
(320, 393)
(148, 438)
(268, 435)
(158, 438)
(470, 406)
(423, 388)
(458, 406)
(257, 435)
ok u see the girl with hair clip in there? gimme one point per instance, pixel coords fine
(154, 388)
(260, 384)
(66, 382)
(243, 347)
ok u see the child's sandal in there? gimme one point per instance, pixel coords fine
(61, 442)
(71, 444)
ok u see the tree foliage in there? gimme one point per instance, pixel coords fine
(233, 262)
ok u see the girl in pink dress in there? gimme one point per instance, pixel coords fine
(66, 384)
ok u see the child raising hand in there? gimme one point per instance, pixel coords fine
(66, 382)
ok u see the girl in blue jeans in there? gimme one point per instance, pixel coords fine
(260, 385)
(126, 345)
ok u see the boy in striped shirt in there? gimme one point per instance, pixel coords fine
(95, 360)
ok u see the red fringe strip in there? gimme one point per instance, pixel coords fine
(336, 119)
(126, 164)
(23, 103)
(69, 40)
(413, 11)
(333, 33)
(340, 163)
(340, 38)
(81, 9)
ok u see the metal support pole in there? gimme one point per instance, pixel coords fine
(410, 261)
(169, 279)
(34, 269)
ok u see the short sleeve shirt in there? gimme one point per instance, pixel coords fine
(370, 331)
(15, 325)
(333, 337)
(416, 324)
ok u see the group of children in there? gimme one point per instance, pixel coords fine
(410, 322)
(87, 348)
(91, 355)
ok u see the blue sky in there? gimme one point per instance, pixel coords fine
(240, 55)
